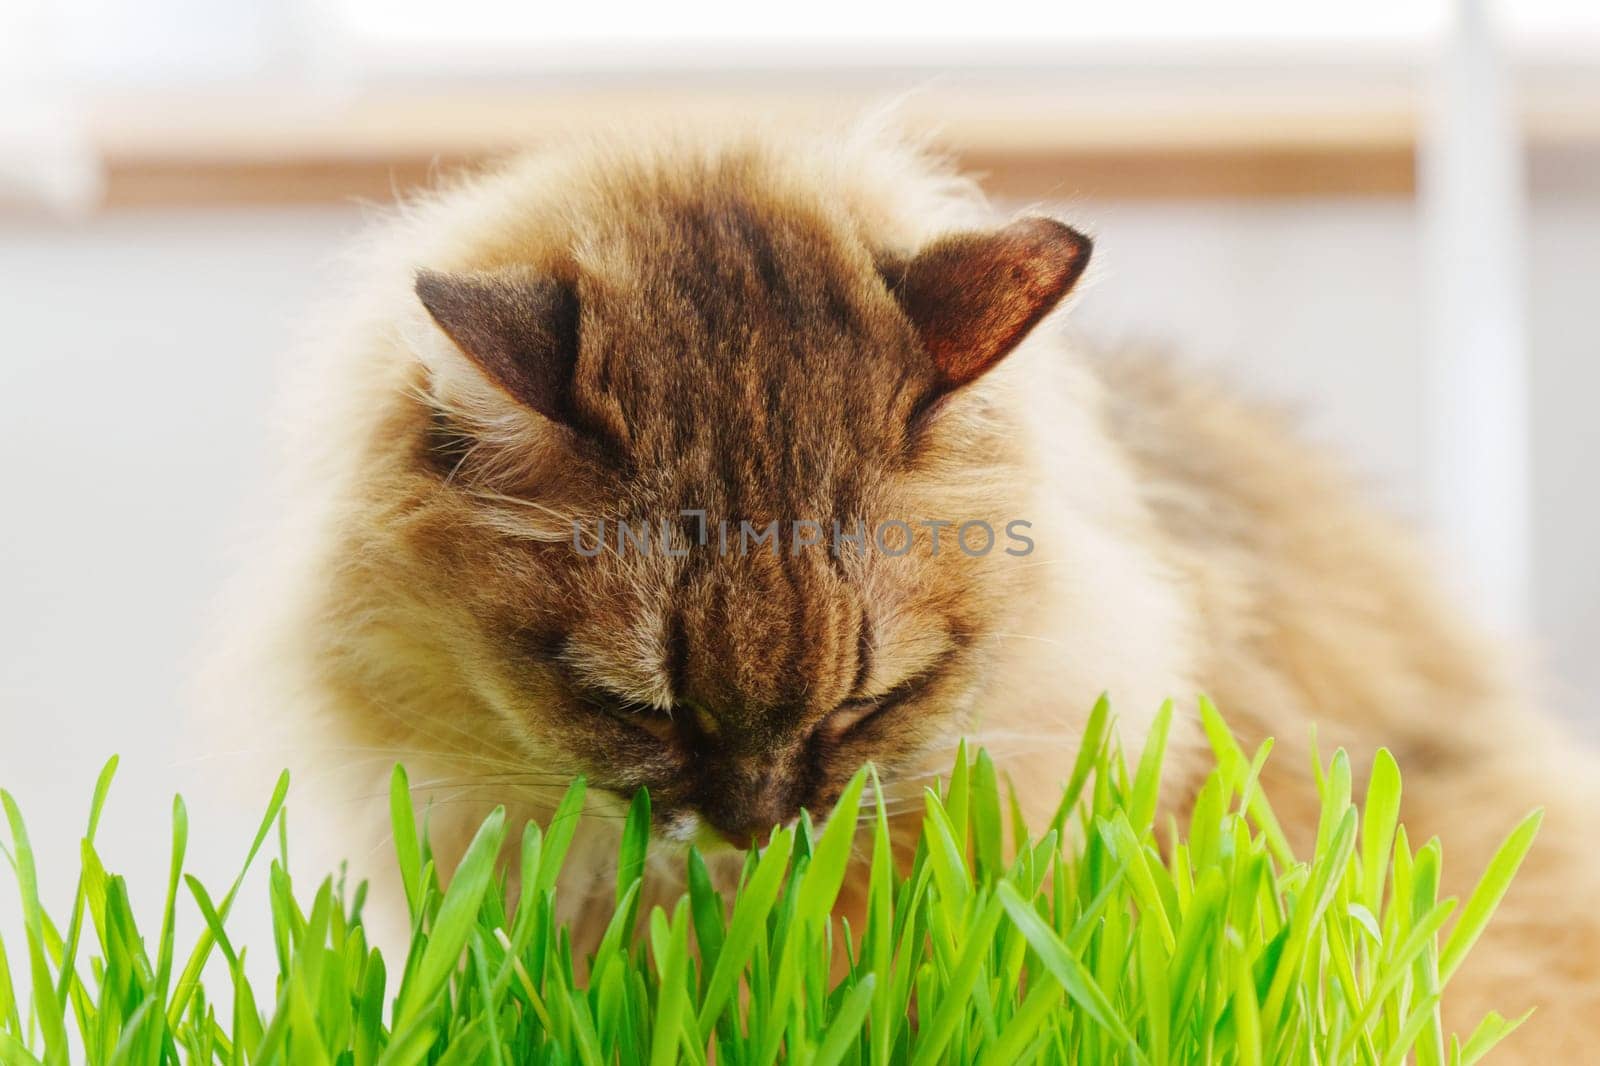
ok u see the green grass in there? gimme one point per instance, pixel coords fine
(1139, 941)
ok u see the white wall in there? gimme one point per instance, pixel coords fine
(139, 355)
(140, 352)
(1564, 342)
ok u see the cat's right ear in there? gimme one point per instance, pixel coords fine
(520, 329)
(973, 297)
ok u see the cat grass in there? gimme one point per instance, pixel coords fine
(1114, 934)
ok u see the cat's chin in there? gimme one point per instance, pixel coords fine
(685, 829)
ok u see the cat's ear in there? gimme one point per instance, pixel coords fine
(519, 328)
(973, 297)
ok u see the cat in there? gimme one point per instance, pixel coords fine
(667, 459)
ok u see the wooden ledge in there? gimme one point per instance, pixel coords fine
(1025, 145)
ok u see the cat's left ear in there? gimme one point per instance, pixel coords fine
(973, 297)
(519, 329)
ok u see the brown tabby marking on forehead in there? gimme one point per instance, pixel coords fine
(756, 363)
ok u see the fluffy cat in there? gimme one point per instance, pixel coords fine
(808, 329)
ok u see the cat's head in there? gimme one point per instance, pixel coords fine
(681, 477)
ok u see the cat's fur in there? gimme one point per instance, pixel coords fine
(748, 342)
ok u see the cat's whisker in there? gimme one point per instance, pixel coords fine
(502, 784)
(461, 762)
(460, 796)
(423, 731)
(1052, 641)
(464, 757)
(522, 502)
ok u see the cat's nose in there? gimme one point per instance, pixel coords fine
(751, 829)
(746, 816)
(746, 840)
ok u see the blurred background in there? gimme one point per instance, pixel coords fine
(1384, 212)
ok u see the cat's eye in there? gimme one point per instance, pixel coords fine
(703, 719)
(633, 710)
(641, 715)
(851, 714)
(845, 717)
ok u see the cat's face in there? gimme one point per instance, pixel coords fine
(610, 460)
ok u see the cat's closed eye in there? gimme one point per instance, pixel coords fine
(634, 713)
(854, 713)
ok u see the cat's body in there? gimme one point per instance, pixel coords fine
(755, 326)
